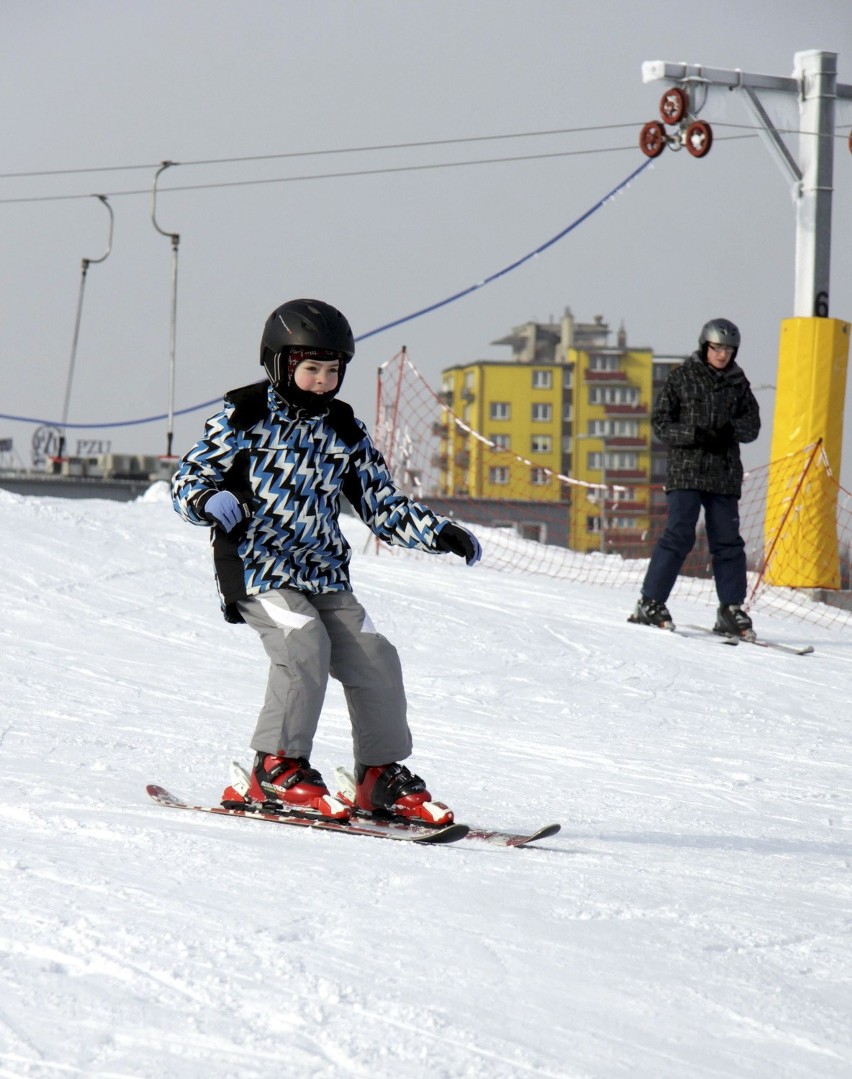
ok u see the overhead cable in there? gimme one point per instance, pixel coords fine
(388, 325)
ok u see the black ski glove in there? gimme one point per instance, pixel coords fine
(715, 439)
(725, 435)
(457, 540)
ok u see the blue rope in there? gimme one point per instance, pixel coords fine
(388, 325)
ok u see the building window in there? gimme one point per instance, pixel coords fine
(539, 477)
(604, 363)
(500, 410)
(541, 444)
(501, 442)
(542, 380)
(625, 461)
(613, 395)
(542, 413)
(614, 428)
(498, 476)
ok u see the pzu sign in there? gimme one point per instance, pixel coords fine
(48, 444)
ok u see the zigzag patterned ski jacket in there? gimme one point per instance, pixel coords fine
(290, 469)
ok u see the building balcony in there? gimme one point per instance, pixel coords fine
(625, 410)
(606, 376)
(625, 475)
(625, 509)
(627, 441)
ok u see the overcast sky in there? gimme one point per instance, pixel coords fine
(118, 86)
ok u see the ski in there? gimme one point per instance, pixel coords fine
(702, 633)
(793, 649)
(496, 837)
(678, 631)
(760, 642)
(449, 833)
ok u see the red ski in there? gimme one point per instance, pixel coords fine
(449, 833)
(496, 837)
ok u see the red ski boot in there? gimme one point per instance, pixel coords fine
(390, 790)
(295, 785)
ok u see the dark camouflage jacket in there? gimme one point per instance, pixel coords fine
(695, 395)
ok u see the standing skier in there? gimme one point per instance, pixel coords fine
(704, 410)
(269, 475)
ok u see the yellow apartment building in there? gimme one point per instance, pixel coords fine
(568, 406)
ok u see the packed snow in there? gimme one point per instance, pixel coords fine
(693, 918)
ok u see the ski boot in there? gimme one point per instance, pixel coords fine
(390, 792)
(732, 621)
(652, 612)
(288, 784)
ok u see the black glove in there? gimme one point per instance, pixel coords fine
(725, 435)
(457, 540)
(715, 439)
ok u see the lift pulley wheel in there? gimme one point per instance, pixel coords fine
(698, 138)
(652, 139)
(673, 105)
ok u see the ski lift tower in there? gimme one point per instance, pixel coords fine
(814, 348)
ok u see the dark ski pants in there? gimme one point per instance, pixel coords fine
(727, 549)
(308, 639)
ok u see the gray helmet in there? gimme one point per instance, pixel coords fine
(306, 324)
(719, 331)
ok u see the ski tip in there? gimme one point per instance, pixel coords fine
(542, 833)
(449, 833)
(161, 795)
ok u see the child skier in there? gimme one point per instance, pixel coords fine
(705, 409)
(269, 475)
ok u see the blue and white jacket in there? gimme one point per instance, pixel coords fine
(289, 470)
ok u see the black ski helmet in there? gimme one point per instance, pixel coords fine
(306, 324)
(719, 331)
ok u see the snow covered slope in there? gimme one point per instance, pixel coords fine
(692, 919)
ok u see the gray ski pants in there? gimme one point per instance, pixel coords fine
(309, 638)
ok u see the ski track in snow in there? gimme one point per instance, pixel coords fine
(692, 918)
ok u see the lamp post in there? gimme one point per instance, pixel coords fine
(175, 238)
(72, 361)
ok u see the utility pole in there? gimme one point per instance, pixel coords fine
(72, 361)
(175, 238)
